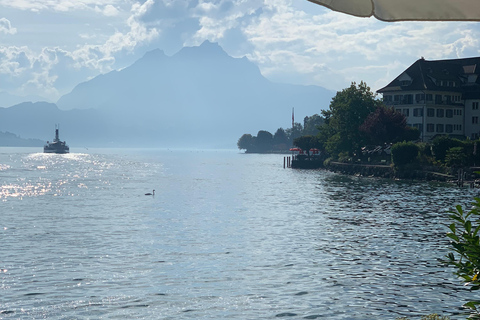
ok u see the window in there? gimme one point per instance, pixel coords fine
(387, 98)
(474, 105)
(439, 113)
(430, 112)
(438, 99)
(419, 126)
(406, 112)
(449, 113)
(440, 128)
(418, 112)
(430, 127)
(448, 128)
(474, 120)
(457, 127)
(419, 97)
(457, 112)
(408, 99)
(447, 98)
(405, 82)
(397, 98)
(429, 97)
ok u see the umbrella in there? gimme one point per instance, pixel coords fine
(296, 149)
(400, 10)
(314, 150)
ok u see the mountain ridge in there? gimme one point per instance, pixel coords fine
(198, 97)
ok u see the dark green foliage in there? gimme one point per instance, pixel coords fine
(385, 125)
(404, 153)
(245, 142)
(307, 142)
(441, 144)
(280, 140)
(456, 157)
(464, 239)
(264, 141)
(294, 132)
(347, 111)
(312, 124)
(432, 316)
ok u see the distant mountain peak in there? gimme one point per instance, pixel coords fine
(206, 50)
(154, 54)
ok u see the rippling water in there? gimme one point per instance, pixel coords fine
(226, 236)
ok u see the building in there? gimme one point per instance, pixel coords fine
(438, 97)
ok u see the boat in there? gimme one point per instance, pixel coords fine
(56, 146)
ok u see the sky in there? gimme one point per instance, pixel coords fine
(49, 46)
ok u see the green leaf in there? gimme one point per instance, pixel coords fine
(468, 226)
(453, 236)
(452, 227)
(471, 305)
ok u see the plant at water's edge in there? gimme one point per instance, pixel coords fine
(432, 316)
(464, 240)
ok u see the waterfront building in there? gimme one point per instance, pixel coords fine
(438, 97)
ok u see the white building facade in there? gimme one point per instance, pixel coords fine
(438, 97)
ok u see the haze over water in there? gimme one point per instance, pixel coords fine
(226, 236)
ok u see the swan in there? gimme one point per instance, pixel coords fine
(150, 194)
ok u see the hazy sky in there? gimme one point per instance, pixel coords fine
(49, 46)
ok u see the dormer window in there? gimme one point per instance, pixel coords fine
(404, 83)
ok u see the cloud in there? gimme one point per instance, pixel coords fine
(6, 27)
(108, 10)
(57, 5)
(290, 41)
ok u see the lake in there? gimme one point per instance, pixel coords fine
(226, 236)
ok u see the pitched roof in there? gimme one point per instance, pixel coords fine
(430, 75)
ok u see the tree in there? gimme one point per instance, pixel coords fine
(404, 153)
(442, 144)
(245, 142)
(280, 140)
(347, 111)
(307, 142)
(294, 132)
(264, 141)
(312, 124)
(464, 239)
(385, 125)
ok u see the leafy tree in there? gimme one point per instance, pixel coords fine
(456, 157)
(404, 153)
(294, 132)
(307, 142)
(464, 239)
(442, 144)
(264, 141)
(385, 125)
(347, 111)
(280, 140)
(311, 124)
(245, 142)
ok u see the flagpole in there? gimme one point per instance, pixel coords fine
(293, 124)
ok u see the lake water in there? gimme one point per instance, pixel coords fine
(226, 236)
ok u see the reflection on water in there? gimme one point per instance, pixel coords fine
(227, 236)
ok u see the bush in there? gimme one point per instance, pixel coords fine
(432, 316)
(404, 153)
(456, 157)
(464, 239)
(442, 144)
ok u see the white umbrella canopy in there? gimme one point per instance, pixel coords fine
(403, 10)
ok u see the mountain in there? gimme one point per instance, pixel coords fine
(198, 97)
(7, 99)
(37, 120)
(8, 139)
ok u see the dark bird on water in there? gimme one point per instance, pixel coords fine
(150, 194)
